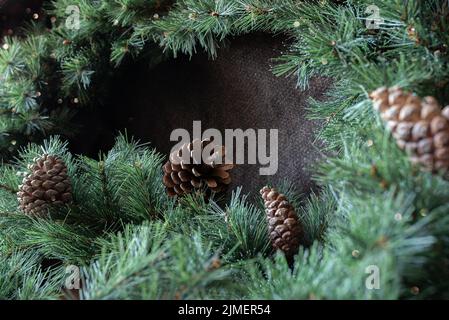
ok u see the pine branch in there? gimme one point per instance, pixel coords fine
(8, 188)
(376, 209)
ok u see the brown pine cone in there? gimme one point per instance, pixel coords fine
(47, 184)
(182, 176)
(284, 227)
(419, 126)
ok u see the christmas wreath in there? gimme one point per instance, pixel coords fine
(134, 223)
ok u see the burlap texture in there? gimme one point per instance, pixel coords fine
(237, 90)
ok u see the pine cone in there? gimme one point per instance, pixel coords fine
(419, 126)
(47, 184)
(182, 176)
(284, 227)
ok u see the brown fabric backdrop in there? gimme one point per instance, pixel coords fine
(237, 90)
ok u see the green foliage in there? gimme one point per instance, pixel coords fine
(104, 199)
(145, 263)
(246, 227)
(22, 279)
(137, 234)
(372, 208)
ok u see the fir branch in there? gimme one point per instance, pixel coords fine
(376, 209)
(22, 278)
(8, 188)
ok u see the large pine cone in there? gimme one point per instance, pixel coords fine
(419, 126)
(47, 184)
(182, 176)
(284, 227)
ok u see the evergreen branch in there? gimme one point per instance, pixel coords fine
(23, 280)
(376, 209)
(8, 188)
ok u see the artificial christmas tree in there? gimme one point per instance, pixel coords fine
(46, 185)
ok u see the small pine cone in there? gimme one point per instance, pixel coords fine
(47, 184)
(419, 126)
(182, 176)
(284, 227)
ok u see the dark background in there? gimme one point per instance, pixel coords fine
(14, 12)
(237, 90)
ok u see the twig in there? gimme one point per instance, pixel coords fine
(8, 188)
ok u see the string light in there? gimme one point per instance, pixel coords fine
(414, 290)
